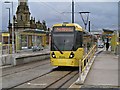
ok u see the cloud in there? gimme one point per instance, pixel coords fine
(102, 14)
(74, 0)
(48, 12)
(0, 16)
(4, 13)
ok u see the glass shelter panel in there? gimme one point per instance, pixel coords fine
(24, 41)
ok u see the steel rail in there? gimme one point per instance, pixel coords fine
(25, 69)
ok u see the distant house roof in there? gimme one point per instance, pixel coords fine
(107, 31)
(96, 32)
(34, 31)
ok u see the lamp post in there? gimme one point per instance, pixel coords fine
(13, 48)
(9, 16)
(8, 26)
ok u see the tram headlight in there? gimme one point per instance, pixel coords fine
(71, 55)
(53, 55)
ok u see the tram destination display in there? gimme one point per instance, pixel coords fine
(63, 29)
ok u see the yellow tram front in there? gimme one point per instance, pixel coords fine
(66, 44)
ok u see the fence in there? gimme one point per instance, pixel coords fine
(84, 63)
(6, 49)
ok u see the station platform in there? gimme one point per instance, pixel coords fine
(22, 57)
(104, 73)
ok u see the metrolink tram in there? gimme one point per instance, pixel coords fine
(69, 44)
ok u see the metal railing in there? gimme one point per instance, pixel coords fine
(6, 49)
(84, 63)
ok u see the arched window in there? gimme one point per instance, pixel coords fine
(21, 17)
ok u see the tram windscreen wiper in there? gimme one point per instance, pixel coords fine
(57, 47)
(72, 48)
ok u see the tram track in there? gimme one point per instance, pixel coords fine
(13, 88)
(52, 84)
(62, 81)
(52, 79)
(12, 80)
(26, 77)
(25, 67)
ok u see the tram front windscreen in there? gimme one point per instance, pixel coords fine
(62, 41)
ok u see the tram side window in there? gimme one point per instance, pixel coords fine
(79, 39)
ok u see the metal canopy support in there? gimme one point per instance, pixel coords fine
(89, 25)
(72, 11)
(85, 18)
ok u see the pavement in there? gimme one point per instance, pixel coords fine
(103, 73)
(31, 53)
(7, 60)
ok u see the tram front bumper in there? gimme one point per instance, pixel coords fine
(65, 62)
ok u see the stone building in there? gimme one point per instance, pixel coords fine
(24, 21)
(27, 27)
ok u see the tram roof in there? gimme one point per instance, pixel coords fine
(77, 26)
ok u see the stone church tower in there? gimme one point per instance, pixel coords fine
(22, 15)
(22, 20)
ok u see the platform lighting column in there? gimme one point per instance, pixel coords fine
(9, 34)
(13, 47)
(72, 11)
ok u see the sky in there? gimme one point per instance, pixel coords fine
(103, 14)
